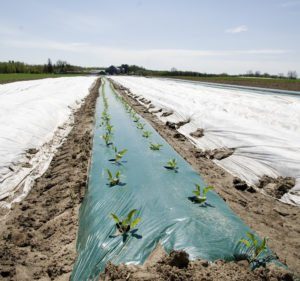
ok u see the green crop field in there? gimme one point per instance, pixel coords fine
(13, 77)
(283, 84)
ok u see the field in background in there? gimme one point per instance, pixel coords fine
(13, 77)
(283, 84)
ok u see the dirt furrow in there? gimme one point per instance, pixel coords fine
(37, 240)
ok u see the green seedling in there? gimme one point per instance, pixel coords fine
(136, 119)
(129, 223)
(109, 128)
(154, 146)
(197, 192)
(146, 134)
(105, 116)
(119, 154)
(107, 119)
(107, 139)
(254, 247)
(140, 126)
(172, 164)
(113, 180)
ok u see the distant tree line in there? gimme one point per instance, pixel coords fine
(125, 69)
(290, 74)
(20, 67)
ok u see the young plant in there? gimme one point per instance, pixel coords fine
(119, 154)
(113, 180)
(109, 128)
(105, 116)
(146, 134)
(107, 138)
(198, 198)
(172, 164)
(129, 223)
(254, 248)
(140, 126)
(105, 103)
(154, 146)
(136, 119)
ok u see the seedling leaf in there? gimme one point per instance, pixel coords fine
(127, 224)
(172, 164)
(255, 248)
(113, 180)
(246, 242)
(115, 218)
(135, 222)
(109, 174)
(206, 189)
(196, 192)
(201, 199)
(146, 134)
(155, 146)
(131, 213)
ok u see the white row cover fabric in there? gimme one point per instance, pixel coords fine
(263, 127)
(34, 115)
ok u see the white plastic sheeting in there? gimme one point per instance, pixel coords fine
(264, 128)
(34, 114)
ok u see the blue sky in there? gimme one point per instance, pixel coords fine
(215, 36)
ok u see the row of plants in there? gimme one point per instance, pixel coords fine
(251, 248)
(123, 226)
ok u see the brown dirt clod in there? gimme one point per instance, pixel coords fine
(276, 187)
(199, 133)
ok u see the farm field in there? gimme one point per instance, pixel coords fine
(136, 162)
(14, 77)
(162, 202)
(150, 140)
(283, 84)
(34, 114)
(263, 144)
(259, 210)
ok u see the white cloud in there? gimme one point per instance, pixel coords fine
(237, 29)
(84, 47)
(213, 61)
(6, 30)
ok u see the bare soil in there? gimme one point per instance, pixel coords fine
(177, 267)
(264, 214)
(37, 238)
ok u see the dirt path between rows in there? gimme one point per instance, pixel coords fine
(37, 238)
(265, 215)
